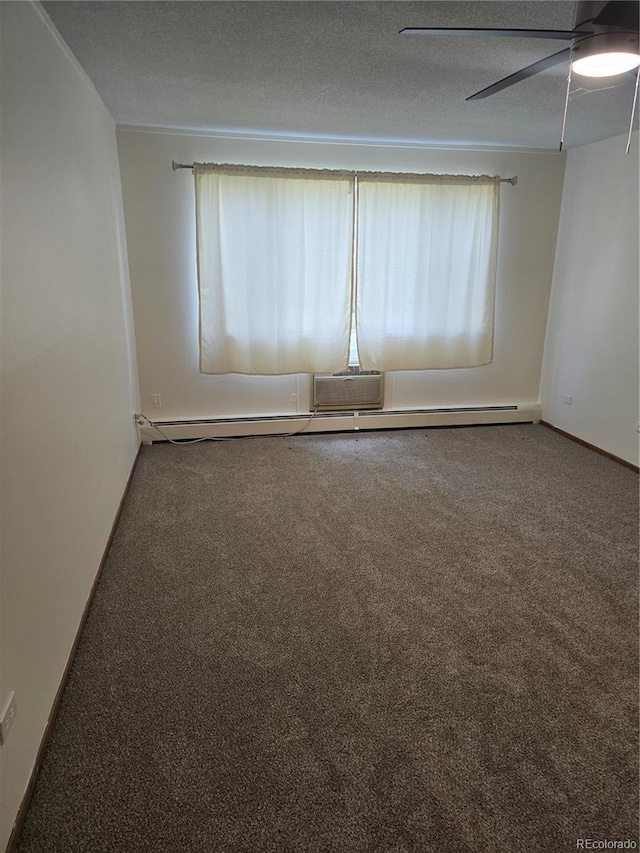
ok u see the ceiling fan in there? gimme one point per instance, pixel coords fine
(603, 43)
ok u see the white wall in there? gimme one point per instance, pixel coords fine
(68, 369)
(159, 214)
(592, 340)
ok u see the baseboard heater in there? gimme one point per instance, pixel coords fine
(342, 421)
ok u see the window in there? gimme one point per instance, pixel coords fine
(354, 361)
(310, 271)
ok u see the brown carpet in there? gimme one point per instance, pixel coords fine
(421, 640)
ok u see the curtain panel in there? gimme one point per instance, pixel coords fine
(274, 269)
(426, 270)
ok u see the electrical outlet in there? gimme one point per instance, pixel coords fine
(156, 401)
(567, 398)
(638, 427)
(294, 398)
(8, 716)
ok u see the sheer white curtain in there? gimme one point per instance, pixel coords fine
(426, 270)
(274, 269)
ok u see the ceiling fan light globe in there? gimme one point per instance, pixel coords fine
(606, 64)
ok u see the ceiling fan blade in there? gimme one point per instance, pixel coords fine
(619, 13)
(529, 71)
(462, 31)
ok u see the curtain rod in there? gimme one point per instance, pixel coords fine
(175, 166)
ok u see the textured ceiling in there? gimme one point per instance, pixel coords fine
(336, 69)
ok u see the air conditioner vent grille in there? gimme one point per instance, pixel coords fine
(348, 391)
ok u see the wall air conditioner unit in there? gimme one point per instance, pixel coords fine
(355, 389)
